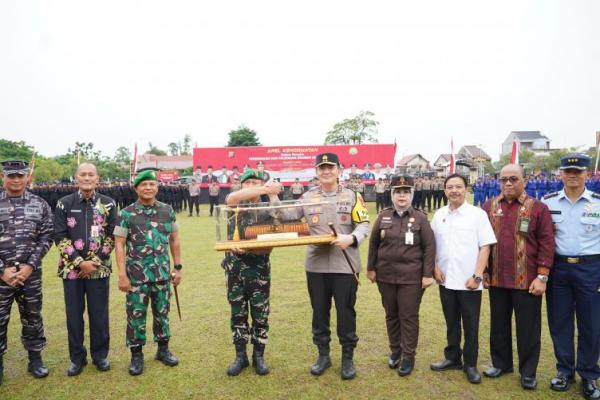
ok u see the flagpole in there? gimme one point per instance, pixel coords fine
(597, 151)
(32, 166)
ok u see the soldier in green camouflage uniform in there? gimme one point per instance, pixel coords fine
(148, 229)
(248, 276)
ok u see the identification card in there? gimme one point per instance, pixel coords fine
(95, 231)
(409, 238)
(524, 225)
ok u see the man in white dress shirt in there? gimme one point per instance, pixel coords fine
(463, 235)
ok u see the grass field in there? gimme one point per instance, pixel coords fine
(202, 342)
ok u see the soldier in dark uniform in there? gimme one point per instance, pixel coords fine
(248, 276)
(401, 261)
(25, 237)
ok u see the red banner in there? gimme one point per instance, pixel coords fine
(167, 176)
(289, 162)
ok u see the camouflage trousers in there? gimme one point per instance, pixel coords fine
(29, 301)
(158, 295)
(248, 289)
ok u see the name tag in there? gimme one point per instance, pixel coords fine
(409, 239)
(524, 225)
(555, 212)
(95, 231)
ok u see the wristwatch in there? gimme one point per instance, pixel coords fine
(478, 279)
(177, 267)
(543, 278)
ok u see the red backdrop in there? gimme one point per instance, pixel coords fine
(290, 158)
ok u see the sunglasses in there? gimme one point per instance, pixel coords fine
(512, 179)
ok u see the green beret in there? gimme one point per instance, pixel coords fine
(251, 174)
(147, 175)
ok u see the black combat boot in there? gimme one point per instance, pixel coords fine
(137, 361)
(164, 355)
(240, 362)
(348, 371)
(36, 366)
(258, 359)
(323, 362)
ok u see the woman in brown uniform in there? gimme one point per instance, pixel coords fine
(401, 261)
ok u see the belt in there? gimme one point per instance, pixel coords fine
(576, 259)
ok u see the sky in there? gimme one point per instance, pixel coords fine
(117, 73)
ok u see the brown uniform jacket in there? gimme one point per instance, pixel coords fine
(390, 256)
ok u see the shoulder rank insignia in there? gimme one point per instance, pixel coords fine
(550, 195)
(596, 195)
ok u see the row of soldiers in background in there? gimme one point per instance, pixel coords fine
(177, 196)
(428, 193)
(536, 187)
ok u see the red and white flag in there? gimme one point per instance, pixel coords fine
(514, 157)
(134, 163)
(452, 159)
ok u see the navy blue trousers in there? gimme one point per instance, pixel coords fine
(95, 291)
(573, 290)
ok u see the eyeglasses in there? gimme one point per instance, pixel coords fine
(512, 179)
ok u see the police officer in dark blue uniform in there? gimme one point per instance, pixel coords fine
(574, 284)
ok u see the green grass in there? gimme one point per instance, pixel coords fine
(202, 342)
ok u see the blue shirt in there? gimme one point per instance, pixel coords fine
(577, 224)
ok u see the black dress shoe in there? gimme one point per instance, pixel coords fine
(76, 368)
(528, 382)
(445, 365)
(102, 365)
(394, 360)
(406, 367)
(590, 389)
(473, 375)
(561, 382)
(493, 372)
(37, 369)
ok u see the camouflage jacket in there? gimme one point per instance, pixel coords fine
(25, 230)
(147, 229)
(245, 219)
(83, 231)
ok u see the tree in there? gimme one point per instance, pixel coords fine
(357, 130)
(174, 148)
(242, 136)
(186, 149)
(86, 151)
(48, 170)
(122, 156)
(15, 150)
(155, 150)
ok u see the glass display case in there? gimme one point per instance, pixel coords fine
(262, 225)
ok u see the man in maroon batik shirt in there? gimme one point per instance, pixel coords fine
(517, 273)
